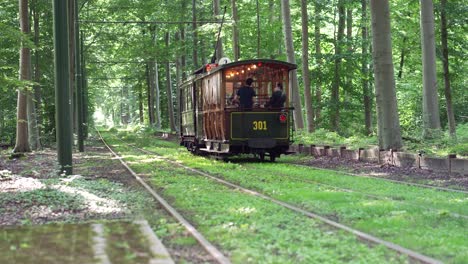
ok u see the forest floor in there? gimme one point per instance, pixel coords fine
(413, 175)
(101, 189)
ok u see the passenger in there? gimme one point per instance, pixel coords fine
(278, 98)
(245, 95)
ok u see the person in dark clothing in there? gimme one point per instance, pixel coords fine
(245, 95)
(278, 98)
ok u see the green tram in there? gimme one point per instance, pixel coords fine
(211, 123)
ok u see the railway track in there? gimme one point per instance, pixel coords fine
(217, 255)
(434, 210)
(413, 255)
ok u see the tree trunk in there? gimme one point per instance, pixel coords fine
(219, 47)
(195, 34)
(293, 83)
(34, 96)
(258, 30)
(335, 92)
(22, 141)
(150, 92)
(387, 110)
(157, 98)
(318, 62)
(183, 61)
(271, 19)
(235, 31)
(431, 117)
(402, 57)
(178, 81)
(445, 60)
(349, 62)
(170, 105)
(140, 104)
(305, 67)
(365, 69)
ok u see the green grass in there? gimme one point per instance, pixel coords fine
(250, 229)
(434, 233)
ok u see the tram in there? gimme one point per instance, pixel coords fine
(212, 122)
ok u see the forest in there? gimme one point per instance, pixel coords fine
(126, 57)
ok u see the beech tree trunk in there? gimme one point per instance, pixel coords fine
(349, 62)
(150, 85)
(170, 105)
(305, 67)
(365, 69)
(431, 117)
(402, 57)
(293, 83)
(235, 31)
(219, 48)
(445, 60)
(335, 92)
(195, 34)
(318, 62)
(157, 98)
(34, 98)
(22, 137)
(387, 110)
(140, 104)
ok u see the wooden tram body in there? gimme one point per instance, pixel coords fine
(211, 123)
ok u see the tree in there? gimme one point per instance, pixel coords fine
(235, 31)
(335, 92)
(431, 117)
(195, 34)
(170, 105)
(365, 69)
(318, 62)
(387, 114)
(219, 46)
(293, 83)
(305, 67)
(22, 140)
(445, 61)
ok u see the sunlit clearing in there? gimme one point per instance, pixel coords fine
(20, 184)
(101, 119)
(94, 203)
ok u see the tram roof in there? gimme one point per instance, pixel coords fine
(287, 65)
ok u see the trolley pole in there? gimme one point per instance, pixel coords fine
(63, 102)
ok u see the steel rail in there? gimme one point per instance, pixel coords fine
(383, 179)
(210, 248)
(361, 235)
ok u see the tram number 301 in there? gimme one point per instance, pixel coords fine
(259, 125)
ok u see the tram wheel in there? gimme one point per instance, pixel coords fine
(272, 157)
(262, 156)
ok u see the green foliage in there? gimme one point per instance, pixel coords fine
(324, 137)
(51, 198)
(417, 218)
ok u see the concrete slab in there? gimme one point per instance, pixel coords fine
(405, 160)
(459, 165)
(350, 154)
(107, 242)
(435, 164)
(369, 155)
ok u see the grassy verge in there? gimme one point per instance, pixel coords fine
(434, 233)
(250, 229)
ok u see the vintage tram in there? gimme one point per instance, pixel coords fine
(211, 123)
